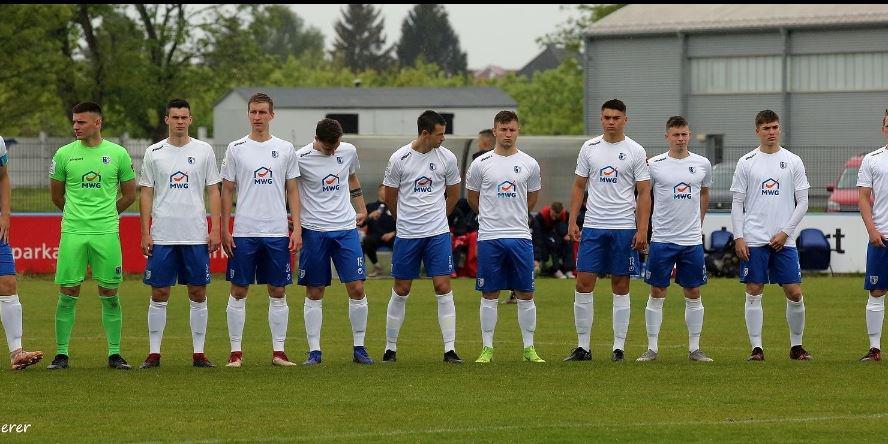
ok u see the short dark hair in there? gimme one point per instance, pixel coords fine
(557, 207)
(505, 116)
(614, 104)
(87, 107)
(765, 116)
(328, 131)
(178, 103)
(486, 133)
(676, 122)
(261, 98)
(428, 120)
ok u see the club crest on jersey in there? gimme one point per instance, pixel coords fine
(330, 183)
(190, 160)
(106, 160)
(422, 185)
(516, 169)
(262, 176)
(692, 170)
(274, 154)
(506, 190)
(874, 280)
(608, 174)
(91, 179)
(783, 165)
(432, 166)
(681, 191)
(179, 180)
(770, 187)
(339, 160)
(621, 156)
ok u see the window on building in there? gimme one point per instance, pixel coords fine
(349, 122)
(839, 72)
(448, 119)
(733, 75)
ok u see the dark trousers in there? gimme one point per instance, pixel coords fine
(371, 243)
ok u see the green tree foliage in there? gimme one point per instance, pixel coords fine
(569, 34)
(360, 40)
(280, 32)
(426, 35)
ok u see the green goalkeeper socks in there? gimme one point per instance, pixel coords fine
(64, 322)
(112, 321)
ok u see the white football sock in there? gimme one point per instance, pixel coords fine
(313, 314)
(357, 314)
(754, 318)
(278, 318)
(584, 312)
(447, 320)
(397, 309)
(198, 318)
(795, 317)
(527, 320)
(488, 320)
(157, 318)
(875, 314)
(11, 317)
(237, 313)
(621, 320)
(694, 320)
(653, 319)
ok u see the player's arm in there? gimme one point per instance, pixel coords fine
(390, 198)
(576, 201)
(57, 191)
(451, 196)
(5, 195)
(146, 203)
(642, 214)
(473, 197)
(228, 188)
(740, 247)
(864, 194)
(532, 197)
(704, 202)
(295, 214)
(127, 195)
(215, 200)
(357, 198)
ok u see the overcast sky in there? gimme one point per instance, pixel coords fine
(501, 35)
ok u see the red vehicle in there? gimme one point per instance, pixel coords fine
(843, 192)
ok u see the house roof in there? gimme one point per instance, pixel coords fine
(658, 19)
(327, 98)
(549, 58)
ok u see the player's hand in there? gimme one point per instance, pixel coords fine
(640, 241)
(375, 214)
(214, 241)
(741, 249)
(360, 218)
(228, 244)
(573, 230)
(4, 228)
(875, 238)
(388, 236)
(295, 241)
(778, 240)
(147, 244)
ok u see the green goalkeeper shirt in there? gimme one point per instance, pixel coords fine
(91, 176)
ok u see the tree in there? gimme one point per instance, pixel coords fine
(426, 34)
(570, 33)
(360, 41)
(281, 32)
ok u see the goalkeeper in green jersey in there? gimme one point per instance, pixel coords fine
(85, 175)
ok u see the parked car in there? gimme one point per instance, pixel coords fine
(720, 195)
(843, 191)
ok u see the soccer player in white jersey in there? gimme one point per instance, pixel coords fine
(770, 198)
(329, 231)
(611, 168)
(681, 181)
(418, 177)
(872, 179)
(262, 169)
(176, 172)
(10, 307)
(502, 186)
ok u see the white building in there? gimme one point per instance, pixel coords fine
(363, 111)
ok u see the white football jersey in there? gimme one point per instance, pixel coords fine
(503, 183)
(179, 177)
(677, 184)
(4, 155)
(260, 171)
(612, 170)
(323, 187)
(873, 174)
(770, 182)
(421, 180)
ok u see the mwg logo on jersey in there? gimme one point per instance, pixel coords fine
(178, 181)
(681, 191)
(422, 185)
(608, 174)
(770, 187)
(330, 183)
(262, 176)
(91, 179)
(506, 190)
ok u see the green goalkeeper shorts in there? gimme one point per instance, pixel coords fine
(100, 251)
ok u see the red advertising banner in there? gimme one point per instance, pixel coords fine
(34, 239)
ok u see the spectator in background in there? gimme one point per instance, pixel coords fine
(380, 231)
(485, 142)
(550, 240)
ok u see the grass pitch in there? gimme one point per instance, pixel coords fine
(421, 399)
